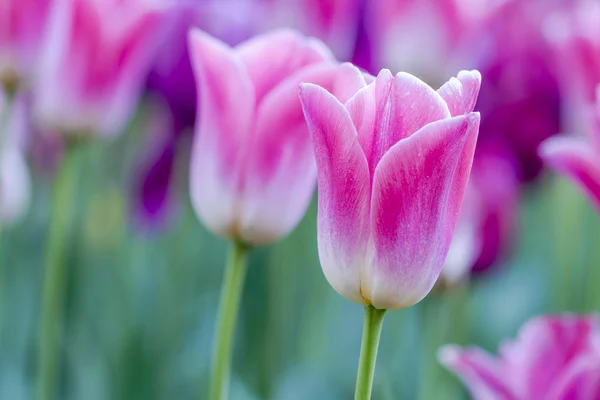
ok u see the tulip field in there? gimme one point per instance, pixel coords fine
(290, 200)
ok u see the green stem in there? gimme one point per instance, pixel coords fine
(54, 280)
(368, 352)
(231, 293)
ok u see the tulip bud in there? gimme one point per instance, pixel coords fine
(393, 164)
(252, 168)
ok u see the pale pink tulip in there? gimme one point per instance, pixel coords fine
(333, 21)
(22, 29)
(393, 164)
(15, 185)
(553, 358)
(95, 62)
(578, 158)
(423, 37)
(252, 169)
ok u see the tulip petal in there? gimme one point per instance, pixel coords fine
(343, 181)
(225, 117)
(481, 373)
(272, 57)
(391, 109)
(461, 93)
(581, 380)
(348, 81)
(576, 160)
(280, 175)
(418, 188)
(542, 350)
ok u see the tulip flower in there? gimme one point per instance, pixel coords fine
(15, 186)
(418, 36)
(96, 56)
(333, 21)
(172, 79)
(252, 170)
(488, 218)
(383, 235)
(574, 32)
(553, 357)
(23, 26)
(95, 61)
(578, 158)
(393, 163)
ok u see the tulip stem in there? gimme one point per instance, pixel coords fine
(54, 274)
(368, 352)
(229, 304)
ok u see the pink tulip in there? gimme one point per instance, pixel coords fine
(575, 32)
(96, 60)
(553, 358)
(333, 21)
(22, 28)
(15, 186)
(578, 158)
(419, 36)
(252, 170)
(393, 164)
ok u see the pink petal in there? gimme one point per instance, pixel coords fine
(272, 57)
(580, 380)
(343, 181)
(224, 122)
(418, 188)
(461, 93)
(280, 173)
(390, 109)
(482, 374)
(576, 160)
(543, 350)
(348, 81)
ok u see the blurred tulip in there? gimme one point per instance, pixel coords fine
(22, 29)
(487, 223)
(333, 21)
(554, 358)
(578, 158)
(252, 170)
(172, 79)
(418, 36)
(466, 242)
(393, 165)
(96, 60)
(15, 183)
(496, 178)
(575, 32)
(149, 211)
(520, 102)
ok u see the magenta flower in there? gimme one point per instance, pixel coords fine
(487, 223)
(554, 358)
(96, 60)
(575, 31)
(22, 29)
(393, 164)
(419, 36)
(333, 21)
(578, 158)
(252, 170)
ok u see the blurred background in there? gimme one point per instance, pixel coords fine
(143, 275)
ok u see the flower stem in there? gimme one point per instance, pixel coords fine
(368, 352)
(55, 274)
(231, 293)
